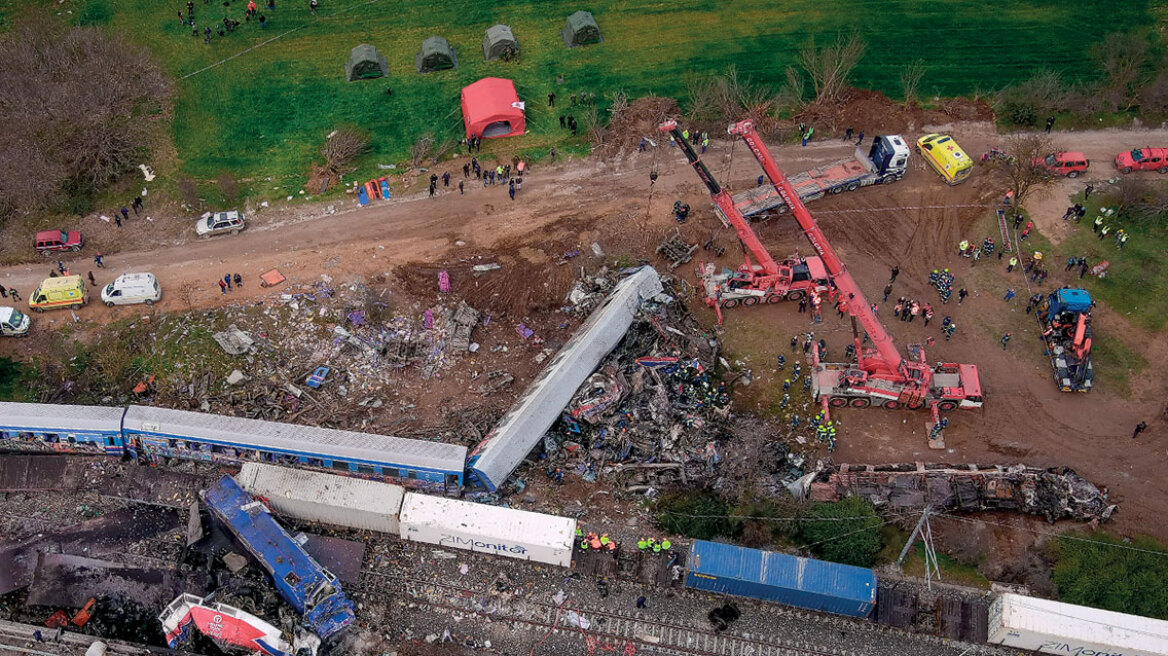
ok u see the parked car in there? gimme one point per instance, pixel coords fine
(1068, 163)
(946, 157)
(217, 223)
(13, 322)
(48, 242)
(131, 288)
(1142, 159)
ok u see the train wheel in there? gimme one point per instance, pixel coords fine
(837, 401)
(750, 300)
(729, 303)
(860, 403)
(890, 405)
(947, 406)
(795, 295)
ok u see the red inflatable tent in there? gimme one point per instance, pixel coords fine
(491, 108)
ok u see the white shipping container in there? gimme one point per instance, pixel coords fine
(325, 498)
(1053, 627)
(488, 529)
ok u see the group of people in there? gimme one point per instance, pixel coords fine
(502, 173)
(907, 309)
(943, 281)
(229, 25)
(654, 545)
(824, 430)
(595, 542)
(228, 278)
(1099, 227)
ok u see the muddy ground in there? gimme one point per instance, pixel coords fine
(567, 206)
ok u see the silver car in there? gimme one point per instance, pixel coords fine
(216, 223)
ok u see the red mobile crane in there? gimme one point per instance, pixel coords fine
(760, 279)
(881, 375)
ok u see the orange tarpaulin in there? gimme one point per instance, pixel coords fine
(273, 277)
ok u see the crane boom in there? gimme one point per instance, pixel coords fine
(857, 305)
(725, 202)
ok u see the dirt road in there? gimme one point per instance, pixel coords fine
(915, 223)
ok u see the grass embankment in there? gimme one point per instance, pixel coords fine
(261, 117)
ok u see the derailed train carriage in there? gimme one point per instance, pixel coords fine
(156, 435)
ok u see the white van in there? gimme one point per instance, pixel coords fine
(13, 322)
(131, 288)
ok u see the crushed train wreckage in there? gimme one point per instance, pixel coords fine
(1054, 493)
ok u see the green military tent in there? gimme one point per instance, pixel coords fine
(436, 55)
(365, 63)
(581, 30)
(500, 43)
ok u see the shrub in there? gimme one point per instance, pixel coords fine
(699, 514)
(829, 535)
(1103, 572)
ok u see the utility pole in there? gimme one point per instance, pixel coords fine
(925, 531)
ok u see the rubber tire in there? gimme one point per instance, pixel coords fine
(890, 405)
(837, 402)
(915, 406)
(75, 248)
(1127, 169)
(774, 298)
(795, 295)
(109, 304)
(75, 306)
(39, 309)
(235, 231)
(750, 300)
(731, 303)
(853, 186)
(947, 406)
(148, 302)
(888, 179)
(47, 253)
(860, 402)
(1073, 174)
(835, 190)
(1162, 170)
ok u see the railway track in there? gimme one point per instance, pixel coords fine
(600, 627)
(17, 639)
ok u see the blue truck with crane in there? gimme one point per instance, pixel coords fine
(1065, 319)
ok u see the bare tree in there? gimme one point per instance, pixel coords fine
(78, 110)
(910, 81)
(422, 149)
(343, 145)
(1121, 56)
(793, 92)
(186, 294)
(1019, 172)
(831, 67)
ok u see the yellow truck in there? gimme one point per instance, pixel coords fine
(57, 293)
(946, 157)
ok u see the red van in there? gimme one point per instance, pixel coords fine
(1068, 163)
(1143, 159)
(55, 241)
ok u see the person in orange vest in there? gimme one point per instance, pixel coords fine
(595, 541)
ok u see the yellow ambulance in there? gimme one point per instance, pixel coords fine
(946, 157)
(57, 293)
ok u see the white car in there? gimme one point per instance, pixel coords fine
(215, 223)
(130, 288)
(13, 322)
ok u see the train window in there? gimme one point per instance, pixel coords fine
(451, 479)
(366, 469)
(390, 472)
(315, 462)
(343, 466)
(412, 475)
(173, 444)
(109, 441)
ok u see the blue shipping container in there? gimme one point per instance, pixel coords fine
(803, 582)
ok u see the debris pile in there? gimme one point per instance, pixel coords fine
(654, 412)
(1055, 493)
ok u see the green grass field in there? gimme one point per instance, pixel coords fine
(266, 112)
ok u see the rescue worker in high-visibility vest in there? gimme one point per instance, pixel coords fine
(665, 544)
(584, 545)
(642, 544)
(656, 547)
(594, 542)
(579, 532)
(604, 539)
